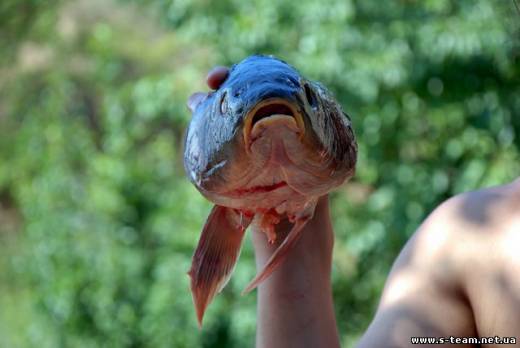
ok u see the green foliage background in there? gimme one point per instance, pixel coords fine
(97, 221)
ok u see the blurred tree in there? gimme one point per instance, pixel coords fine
(92, 114)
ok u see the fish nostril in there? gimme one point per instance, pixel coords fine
(294, 81)
(238, 92)
(309, 94)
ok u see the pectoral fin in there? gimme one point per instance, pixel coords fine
(216, 255)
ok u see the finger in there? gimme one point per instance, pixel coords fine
(195, 99)
(217, 76)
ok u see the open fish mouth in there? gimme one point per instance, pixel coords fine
(268, 113)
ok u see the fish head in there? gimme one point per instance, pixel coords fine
(267, 136)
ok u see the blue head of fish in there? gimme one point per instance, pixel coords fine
(218, 140)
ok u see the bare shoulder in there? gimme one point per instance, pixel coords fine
(483, 240)
(466, 230)
(490, 210)
(479, 223)
(457, 275)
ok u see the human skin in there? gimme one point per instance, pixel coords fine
(295, 307)
(459, 275)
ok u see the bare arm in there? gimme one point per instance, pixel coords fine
(295, 307)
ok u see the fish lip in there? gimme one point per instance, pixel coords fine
(273, 120)
(248, 120)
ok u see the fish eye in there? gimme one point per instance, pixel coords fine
(309, 94)
(223, 103)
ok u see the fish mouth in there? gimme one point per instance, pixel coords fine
(270, 112)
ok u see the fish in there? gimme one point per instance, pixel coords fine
(263, 147)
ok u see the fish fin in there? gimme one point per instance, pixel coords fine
(279, 255)
(216, 255)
